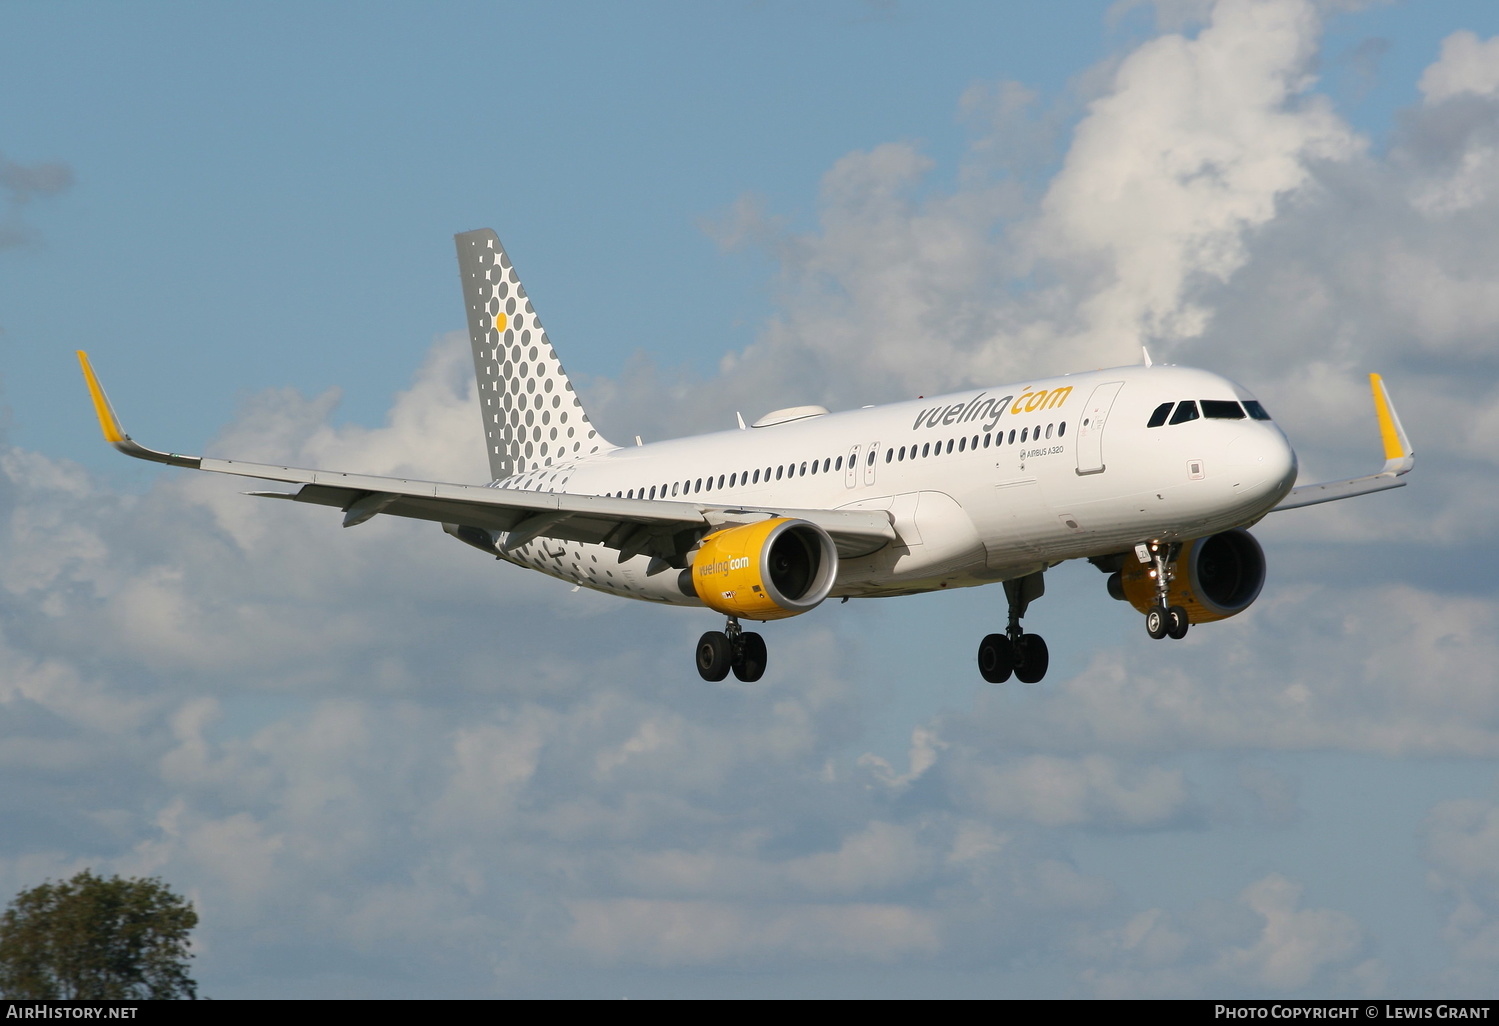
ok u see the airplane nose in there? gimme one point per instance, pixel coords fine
(1265, 462)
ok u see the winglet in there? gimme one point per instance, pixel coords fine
(114, 434)
(1399, 459)
(108, 422)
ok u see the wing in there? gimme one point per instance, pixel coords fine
(1399, 459)
(659, 528)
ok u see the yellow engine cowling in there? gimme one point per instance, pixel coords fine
(1213, 578)
(765, 571)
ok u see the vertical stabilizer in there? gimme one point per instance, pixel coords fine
(532, 416)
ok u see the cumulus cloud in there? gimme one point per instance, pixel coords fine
(1264, 942)
(1462, 850)
(1467, 65)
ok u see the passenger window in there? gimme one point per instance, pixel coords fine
(732, 479)
(826, 465)
(870, 462)
(1255, 409)
(925, 447)
(720, 480)
(1023, 432)
(962, 443)
(1061, 429)
(779, 471)
(700, 484)
(1159, 416)
(653, 491)
(889, 455)
(1048, 431)
(986, 441)
(1184, 412)
(1222, 409)
(803, 470)
(949, 445)
(673, 489)
(838, 464)
(975, 443)
(757, 476)
(1012, 436)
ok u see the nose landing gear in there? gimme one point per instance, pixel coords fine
(742, 651)
(1163, 619)
(1015, 652)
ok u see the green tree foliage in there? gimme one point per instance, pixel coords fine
(97, 939)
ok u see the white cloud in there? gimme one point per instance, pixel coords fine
(1462, 849)
(1467, 65)
(1057, 792)
(1264, 943)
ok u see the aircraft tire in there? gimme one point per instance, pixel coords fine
(996, 659)
(1033, 659)
(749, 661)
(714, 655)
(1157, 622)
(1177, 622)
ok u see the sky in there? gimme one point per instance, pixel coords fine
(383, 766)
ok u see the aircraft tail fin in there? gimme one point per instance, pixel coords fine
(532, 416)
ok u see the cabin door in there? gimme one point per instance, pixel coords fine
(1090, 431)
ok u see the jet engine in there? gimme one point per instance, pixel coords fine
(1212, 578)
(764, 571)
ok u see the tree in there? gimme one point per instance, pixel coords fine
(97, 939)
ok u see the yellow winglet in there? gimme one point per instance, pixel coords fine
(108, 422)
(1397, 447)
(114, 434)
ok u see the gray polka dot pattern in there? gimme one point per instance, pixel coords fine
(521, 382)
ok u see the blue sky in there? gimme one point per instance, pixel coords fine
(384, 766)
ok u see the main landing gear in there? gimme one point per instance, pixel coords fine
(1163, 619)
(742, 651)
(1015, 652)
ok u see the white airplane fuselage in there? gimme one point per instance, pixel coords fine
(982, 485)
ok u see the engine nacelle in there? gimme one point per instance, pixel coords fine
(765, 571)
(1212, 579)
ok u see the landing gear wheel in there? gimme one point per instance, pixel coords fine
(996, 659)
(1031, 659)
(749, 657)
(714, 655)
(1177, 622)
(1157, 622)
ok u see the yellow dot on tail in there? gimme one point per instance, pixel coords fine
(500, 320)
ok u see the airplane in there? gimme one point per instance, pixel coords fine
(1152, 473)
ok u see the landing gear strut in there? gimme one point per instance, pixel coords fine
(1014, 651)
(1163, 619)
(742, 651)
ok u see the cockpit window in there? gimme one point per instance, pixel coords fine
(1255, 409)
(1222, 409)
(1159, 416)
(1184, 412)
